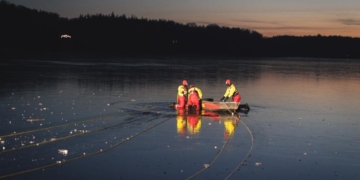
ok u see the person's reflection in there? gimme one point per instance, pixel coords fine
(194, 123)
(214, 116)
(181, 121)
(230, 122)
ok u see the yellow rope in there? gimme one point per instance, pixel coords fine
(218, 154)
(248, 154)
(87, 155)
(212, 162)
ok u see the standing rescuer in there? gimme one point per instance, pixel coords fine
(231, 91)
(182, 95)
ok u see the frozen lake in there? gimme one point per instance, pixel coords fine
(110, 119)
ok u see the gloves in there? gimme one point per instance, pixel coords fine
(223, 99)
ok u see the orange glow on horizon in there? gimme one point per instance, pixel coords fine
(269, 18)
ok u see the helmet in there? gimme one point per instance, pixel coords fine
(228, 82)
(184, 82)
(191, 86)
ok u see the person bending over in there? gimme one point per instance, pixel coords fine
(231, 91)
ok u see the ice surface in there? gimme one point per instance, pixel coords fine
(303, 118)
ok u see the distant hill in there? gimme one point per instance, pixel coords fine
(33, 30)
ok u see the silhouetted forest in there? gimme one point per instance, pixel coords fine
(24, 29)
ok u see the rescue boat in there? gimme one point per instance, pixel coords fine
(216, 105)
(219, 106)
(209, 105)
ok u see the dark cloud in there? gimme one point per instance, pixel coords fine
(349, 21)
(288, 28)
(205, 23)
(257, 22)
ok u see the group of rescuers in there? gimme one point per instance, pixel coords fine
(191, 97)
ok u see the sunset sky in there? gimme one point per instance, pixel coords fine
(268, 17)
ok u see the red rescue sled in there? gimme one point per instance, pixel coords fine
(218, 106)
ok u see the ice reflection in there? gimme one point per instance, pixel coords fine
(188, 122)
(194, 124)
(181, 122)
(230, 122)
(191, 122)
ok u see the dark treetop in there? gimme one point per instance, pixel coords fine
(25, 29)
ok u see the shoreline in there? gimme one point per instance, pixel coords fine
(12, 54)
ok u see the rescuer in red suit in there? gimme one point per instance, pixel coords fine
(181, 96)
(194, 101)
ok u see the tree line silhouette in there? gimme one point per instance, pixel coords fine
(30, 29)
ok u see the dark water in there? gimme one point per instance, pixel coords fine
(113, 119)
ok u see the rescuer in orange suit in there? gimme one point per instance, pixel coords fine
(195, 96)
(231, 91)
(182, 95)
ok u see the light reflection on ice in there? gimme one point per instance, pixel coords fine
(63, 152)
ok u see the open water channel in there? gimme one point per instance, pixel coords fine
(82, 118)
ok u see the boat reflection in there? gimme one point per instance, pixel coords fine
(190, 122)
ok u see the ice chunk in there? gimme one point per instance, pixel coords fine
(63, 151)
